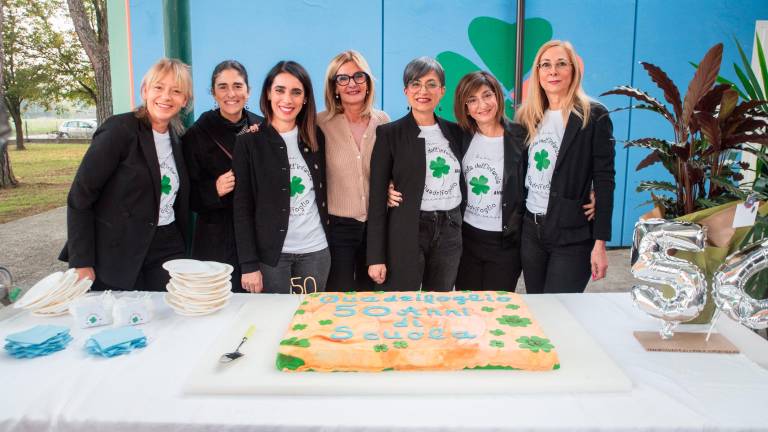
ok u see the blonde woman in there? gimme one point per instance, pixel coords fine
(127, 208)
(571, 151)
(349, 124)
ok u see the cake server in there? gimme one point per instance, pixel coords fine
(228, 357)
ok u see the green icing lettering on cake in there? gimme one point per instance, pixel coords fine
(514, 321)
(535, 343)
(497, 344)
(288, 362)
(400, 344)
(325, 322)
(487, 309)
(497, 332)
(493, 367)
(381, 348)
(294, 341)
(556, 366)
(298, 327)
(513, 306)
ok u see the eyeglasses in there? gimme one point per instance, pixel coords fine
(358, 77)
(430, 85)
(559, 65)
(486, 97)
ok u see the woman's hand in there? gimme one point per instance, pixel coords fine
(378, 272)
(394, 198)
(589, 209)
(253, 128)
(85, 272)
(225, 183)
(252, 282)
(599, 260)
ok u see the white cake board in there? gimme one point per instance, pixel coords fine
(585, 367)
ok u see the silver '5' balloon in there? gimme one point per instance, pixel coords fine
(728, 286)
(651, 262)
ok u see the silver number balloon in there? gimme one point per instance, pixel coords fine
(728, 286)
(651, 262)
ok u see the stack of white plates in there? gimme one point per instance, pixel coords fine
(52, 295)
(198, 287)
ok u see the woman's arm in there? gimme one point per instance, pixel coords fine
(603, 180)
(381, 173)
(204, 193)
(244, 207)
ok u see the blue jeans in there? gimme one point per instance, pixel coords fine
(292, 271)
(439, 249)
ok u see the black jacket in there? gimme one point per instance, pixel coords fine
(393, 234)
(512, 204)
(262, 194)
(114, 201)
(585, 162)
(206, 161)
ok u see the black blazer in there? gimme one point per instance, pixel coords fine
(206, 161)
(114, 201)
(585, 162)
(393, 234)
(262, 194)
(512, 205)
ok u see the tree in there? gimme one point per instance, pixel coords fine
(90, 21)
(6, 173)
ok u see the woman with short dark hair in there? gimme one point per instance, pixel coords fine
(280, 209)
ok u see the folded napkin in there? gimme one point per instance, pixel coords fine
(115, 341)
(37, 341)
(133, 310)
(93, 311)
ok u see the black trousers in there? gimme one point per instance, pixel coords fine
(347, 243)
(439, 249)
(167, 244)
(550, 268)
(486, 265)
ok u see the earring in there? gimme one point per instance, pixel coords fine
(215, 105)
(408, 108)
(247, 108)
(337, 95)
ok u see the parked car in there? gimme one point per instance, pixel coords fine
(77, 129)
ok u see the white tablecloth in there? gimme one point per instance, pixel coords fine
(72, 391)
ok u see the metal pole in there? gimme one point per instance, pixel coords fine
(178, 37)
(519, 43)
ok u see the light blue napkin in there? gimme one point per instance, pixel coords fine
(36, 335)
(38, 341)
(116, 341)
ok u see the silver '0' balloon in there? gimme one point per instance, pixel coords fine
(728, 286)
(651, 262)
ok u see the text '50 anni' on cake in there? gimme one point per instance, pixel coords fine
(381, 331)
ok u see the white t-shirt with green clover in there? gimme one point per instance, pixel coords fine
(484, 173)
(441, 184)
(169, 178)
(542, 156)
(305, 230)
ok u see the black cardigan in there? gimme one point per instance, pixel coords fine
(262, 194)
(393, 234)
(114, 201)
(585, 162)
(512, 204)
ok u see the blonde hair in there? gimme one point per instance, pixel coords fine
(183, 77)
(333, 105)
(531, 111)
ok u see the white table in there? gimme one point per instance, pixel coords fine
(72, 391)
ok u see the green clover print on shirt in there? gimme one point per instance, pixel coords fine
(165, 185)
(296, 186)
(439, 167)
(542, 160)
(479, 185)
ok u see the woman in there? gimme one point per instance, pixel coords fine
(280, 209)
(417, 244)
(208, 149)
(570, 152)
(128, 205)
(349, 124)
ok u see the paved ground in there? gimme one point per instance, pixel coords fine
(29, 248)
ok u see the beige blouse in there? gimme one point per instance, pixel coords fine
(348, 169)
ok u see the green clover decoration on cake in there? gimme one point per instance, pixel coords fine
(400, 344)
(381, 348)
(542, 160)
(165, 185)
(534, 343)
(296, 186)
(294, 341)
(439, 167)
(298, 327)
(299, 312)
(514, 321)
(325, 322)
(479, 185)
(487, 309)
(497, 344)
(288, 362)
(513, 306)
(497, 332)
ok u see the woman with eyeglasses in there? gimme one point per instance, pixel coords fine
(570, 151)
(349, 124)
(418, 243)
(280, 209)
(209, 145)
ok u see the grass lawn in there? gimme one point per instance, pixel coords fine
(39, 126)
(45, 173)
